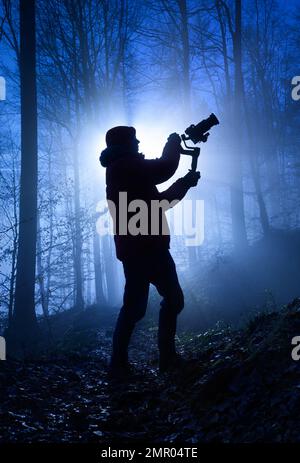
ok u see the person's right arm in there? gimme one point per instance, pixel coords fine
(160, 170)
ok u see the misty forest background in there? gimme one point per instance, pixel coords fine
(160, 65)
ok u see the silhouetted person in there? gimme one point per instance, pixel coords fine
(146, 258)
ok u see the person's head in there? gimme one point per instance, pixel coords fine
(123, 136)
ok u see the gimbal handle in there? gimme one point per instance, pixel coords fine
(191, 151)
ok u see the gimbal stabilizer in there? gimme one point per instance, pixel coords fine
(197, 133)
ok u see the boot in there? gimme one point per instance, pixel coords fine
(170, 363)
(120, 370)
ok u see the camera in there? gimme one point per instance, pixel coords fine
(199, 132)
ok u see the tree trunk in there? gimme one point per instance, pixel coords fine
(40, 271)
(79, 303)
(263, 214)
(100, 299)
(110, 270)
(236, 191)
(185, 58)
(12, 281)
(23, 328)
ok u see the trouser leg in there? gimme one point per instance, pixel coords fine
(133, 309)
(167, 331)
(167, 284)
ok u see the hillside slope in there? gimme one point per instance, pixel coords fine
(237, 386)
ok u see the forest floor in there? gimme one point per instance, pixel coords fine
(238, 386)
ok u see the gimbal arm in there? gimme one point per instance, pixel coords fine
(191, 151)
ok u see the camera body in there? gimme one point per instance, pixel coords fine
(199, 132)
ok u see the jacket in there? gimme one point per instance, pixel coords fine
(129, 172)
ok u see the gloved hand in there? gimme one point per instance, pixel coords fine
(174, 139)
(192, 178)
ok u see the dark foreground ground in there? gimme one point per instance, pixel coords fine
(239, 386)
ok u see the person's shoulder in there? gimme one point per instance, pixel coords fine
(128, 162)
(126, 168)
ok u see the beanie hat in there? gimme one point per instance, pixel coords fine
(120, 135)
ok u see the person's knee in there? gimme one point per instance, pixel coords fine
(179, 302)
(134, 312)
(174, 302)
(139, 314)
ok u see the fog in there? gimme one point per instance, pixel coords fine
(159, 68)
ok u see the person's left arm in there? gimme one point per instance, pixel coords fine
(178, 189)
